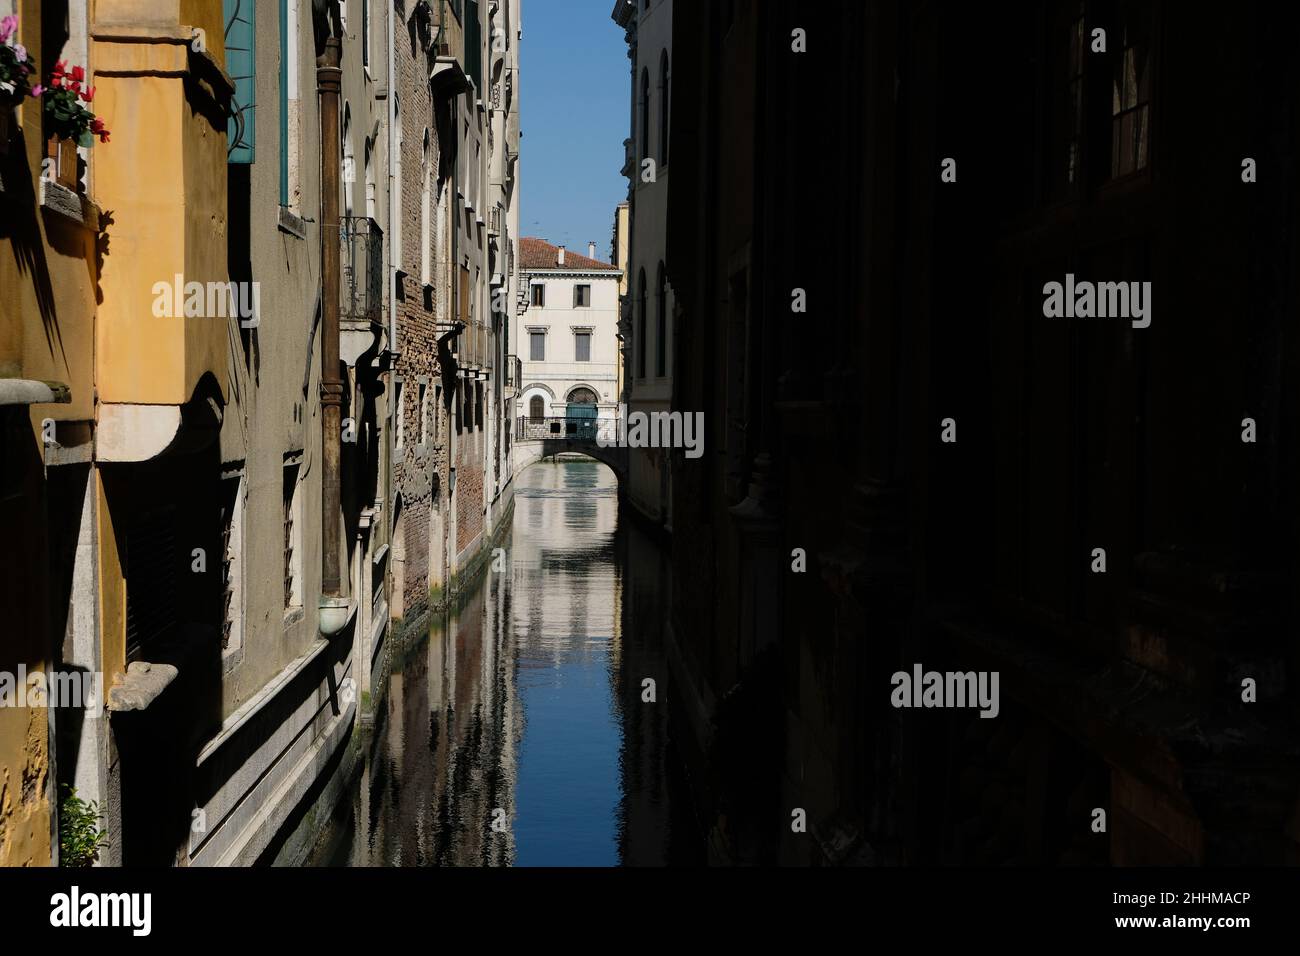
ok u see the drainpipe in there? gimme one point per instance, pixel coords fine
(333, 605)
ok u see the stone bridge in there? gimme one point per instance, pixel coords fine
(538, 438)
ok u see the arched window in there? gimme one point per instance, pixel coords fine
(661, 324)
(349, 171)
(537, 408)
(396, 225)
(640, 326)
(664, 100)
(426, 276)
(371, 212)
(582, 396)
(645, 114)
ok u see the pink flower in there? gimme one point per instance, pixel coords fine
(7, 26)
(37, 90)
(20, 52)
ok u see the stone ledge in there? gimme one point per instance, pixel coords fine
(73, 206)
(293, 225)
(141, 686)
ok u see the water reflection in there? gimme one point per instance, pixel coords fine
(523, 706)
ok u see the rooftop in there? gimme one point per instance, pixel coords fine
(539, 254)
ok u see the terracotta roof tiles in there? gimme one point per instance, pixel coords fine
(540, 254)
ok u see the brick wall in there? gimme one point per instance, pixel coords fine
(419, 467)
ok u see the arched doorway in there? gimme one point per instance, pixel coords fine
(581, 412)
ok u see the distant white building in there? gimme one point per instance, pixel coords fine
(566, 335)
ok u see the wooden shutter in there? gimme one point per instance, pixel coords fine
(241, 64)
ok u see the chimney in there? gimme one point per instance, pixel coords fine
(561, 255)
(591, 250)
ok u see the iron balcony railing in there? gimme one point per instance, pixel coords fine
(361, 270)
(566, 428)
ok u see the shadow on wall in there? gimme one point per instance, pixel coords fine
(163, 512)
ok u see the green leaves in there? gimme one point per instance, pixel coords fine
(80, 838)
(66, 115)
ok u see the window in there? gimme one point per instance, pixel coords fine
(661, 325)
(1130, 95)
(640, 326)
(424, 414)
(349, 163)
(426, 275)
(365, 33)
(399, 414)
(663, 108)
(241, 64)
(433, 412)
(396, 224)
(537, 346)
(1067, 114)
(152, 584)
(370, 179)
(539, 294)
(232, 550)
(645, 114)
(290, 107)
(537, 408)
(581, 296)
(292, 513)
(582, 346)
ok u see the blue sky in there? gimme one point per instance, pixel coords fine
(574, 113)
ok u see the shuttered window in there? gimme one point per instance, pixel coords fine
(150, 565)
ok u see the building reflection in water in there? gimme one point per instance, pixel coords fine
(527, 698)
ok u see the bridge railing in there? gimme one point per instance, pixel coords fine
(566, 429)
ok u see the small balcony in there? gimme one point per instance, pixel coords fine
(361, 286)
(361, 270)
(629, 159)
(449, 76)
(514, 372)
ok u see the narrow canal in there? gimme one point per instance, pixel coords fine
(514, 732)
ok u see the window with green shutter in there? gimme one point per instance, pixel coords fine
(241, 59)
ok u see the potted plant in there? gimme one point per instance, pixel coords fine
(16, 69)
(69, 119)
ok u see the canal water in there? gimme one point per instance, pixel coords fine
(515, 731)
